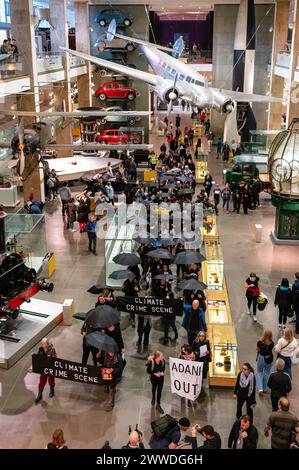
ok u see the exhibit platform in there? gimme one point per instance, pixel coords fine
(72, 168)
(281, 241)
(36, 319)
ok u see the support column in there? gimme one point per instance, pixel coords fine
(280, 36)
(62, 90)
(293, 105)
(82, 45)
(22, 27)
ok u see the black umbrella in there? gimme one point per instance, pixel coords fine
(150, 184)
(80, 316)
(184, 179)
(173, 171)
(143, 237)
(182, 192)
(122, 274)
(188, 257)
(98, 288)
(169, 241)
(101, 341)
(165, 177)
(127, 259)
(160, 253)
(192, 284)
(102, 316)
(166, 277)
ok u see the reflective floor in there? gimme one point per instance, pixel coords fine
(78, 408)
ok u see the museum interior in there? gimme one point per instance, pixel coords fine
(149, 224)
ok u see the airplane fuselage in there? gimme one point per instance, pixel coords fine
(190, 85)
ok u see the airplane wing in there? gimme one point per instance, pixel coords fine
(144, 43)
(73, 114)
(248, 97)
(130, 71)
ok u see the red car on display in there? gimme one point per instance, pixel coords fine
(112, 136)
(115, 91)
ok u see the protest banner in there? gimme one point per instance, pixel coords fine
(150, 306)
(185, 378)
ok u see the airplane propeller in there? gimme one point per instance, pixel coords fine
(21, 146)
(172, 96)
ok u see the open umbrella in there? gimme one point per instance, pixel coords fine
(188, 257)
(150, 184)
(127, 259)
(184, 179)
(183, 192)
(165, 177)
(192, 284)
(122, 274)
(143, 237)
(98, 288)
(101, 341)
(166, 277)
(102, 316)
(160, 253)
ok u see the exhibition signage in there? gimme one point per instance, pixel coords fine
(150, 306)
(185, 377)
(63, 369)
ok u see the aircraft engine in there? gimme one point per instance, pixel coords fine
(220, 102)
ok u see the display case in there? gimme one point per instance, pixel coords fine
(201, 168)
(224, 368)
(213, 266)
(209, 230)
(119, 239)
(8, 187)
(217, 312)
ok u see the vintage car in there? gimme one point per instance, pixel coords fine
(107, 15)
(115, 91)
(130, 120)
(112, 136)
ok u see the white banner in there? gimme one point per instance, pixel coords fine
(185, 377)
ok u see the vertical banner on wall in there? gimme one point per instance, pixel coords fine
(185, 377)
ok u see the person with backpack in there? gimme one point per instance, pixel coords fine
(167, 432)
(283, 300)
(156, 369)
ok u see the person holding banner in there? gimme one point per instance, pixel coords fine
(187, 355)
(156, 369)
(46, 349)
(201, 347)
(131, 288)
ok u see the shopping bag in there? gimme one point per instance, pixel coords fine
(262, 301)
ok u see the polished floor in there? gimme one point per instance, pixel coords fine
(78, 408)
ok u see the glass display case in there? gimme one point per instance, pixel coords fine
(214, 270)
(209, 230)
(224, 367)
(8, 187)
(25, 234)
(217, 311)
(201, 168)
(119, 239)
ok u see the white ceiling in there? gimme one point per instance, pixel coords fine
(192, 7)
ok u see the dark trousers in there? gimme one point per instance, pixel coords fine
(169, 322)
(157, 384)
(86, 351)
(191, 336)
(245, 207)
(225, 204)
(237, 205)
(240, 403)
(274, 401)
(144, 331)
(43, 380)
(216, 206)
(297, 320)
(92, 242)
(283, 313)
(251, 300)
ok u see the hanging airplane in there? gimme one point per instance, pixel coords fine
(173, 79)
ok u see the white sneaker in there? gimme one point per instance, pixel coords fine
(254, 318)
(249, 312)
(284, 326)
(279, 325)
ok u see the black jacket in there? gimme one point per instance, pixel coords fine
(117, 336)
(283, 298)
(280, 384)
(208, 444)
(243, 392)
(249, 443)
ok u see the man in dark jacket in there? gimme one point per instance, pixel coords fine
(196, 322)
(113, 361)
(243, 435)
(295, 300)
(280, 384)
(212, 438)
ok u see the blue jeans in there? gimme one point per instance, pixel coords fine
(288, 364)
(225, 202)
(262, 373)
